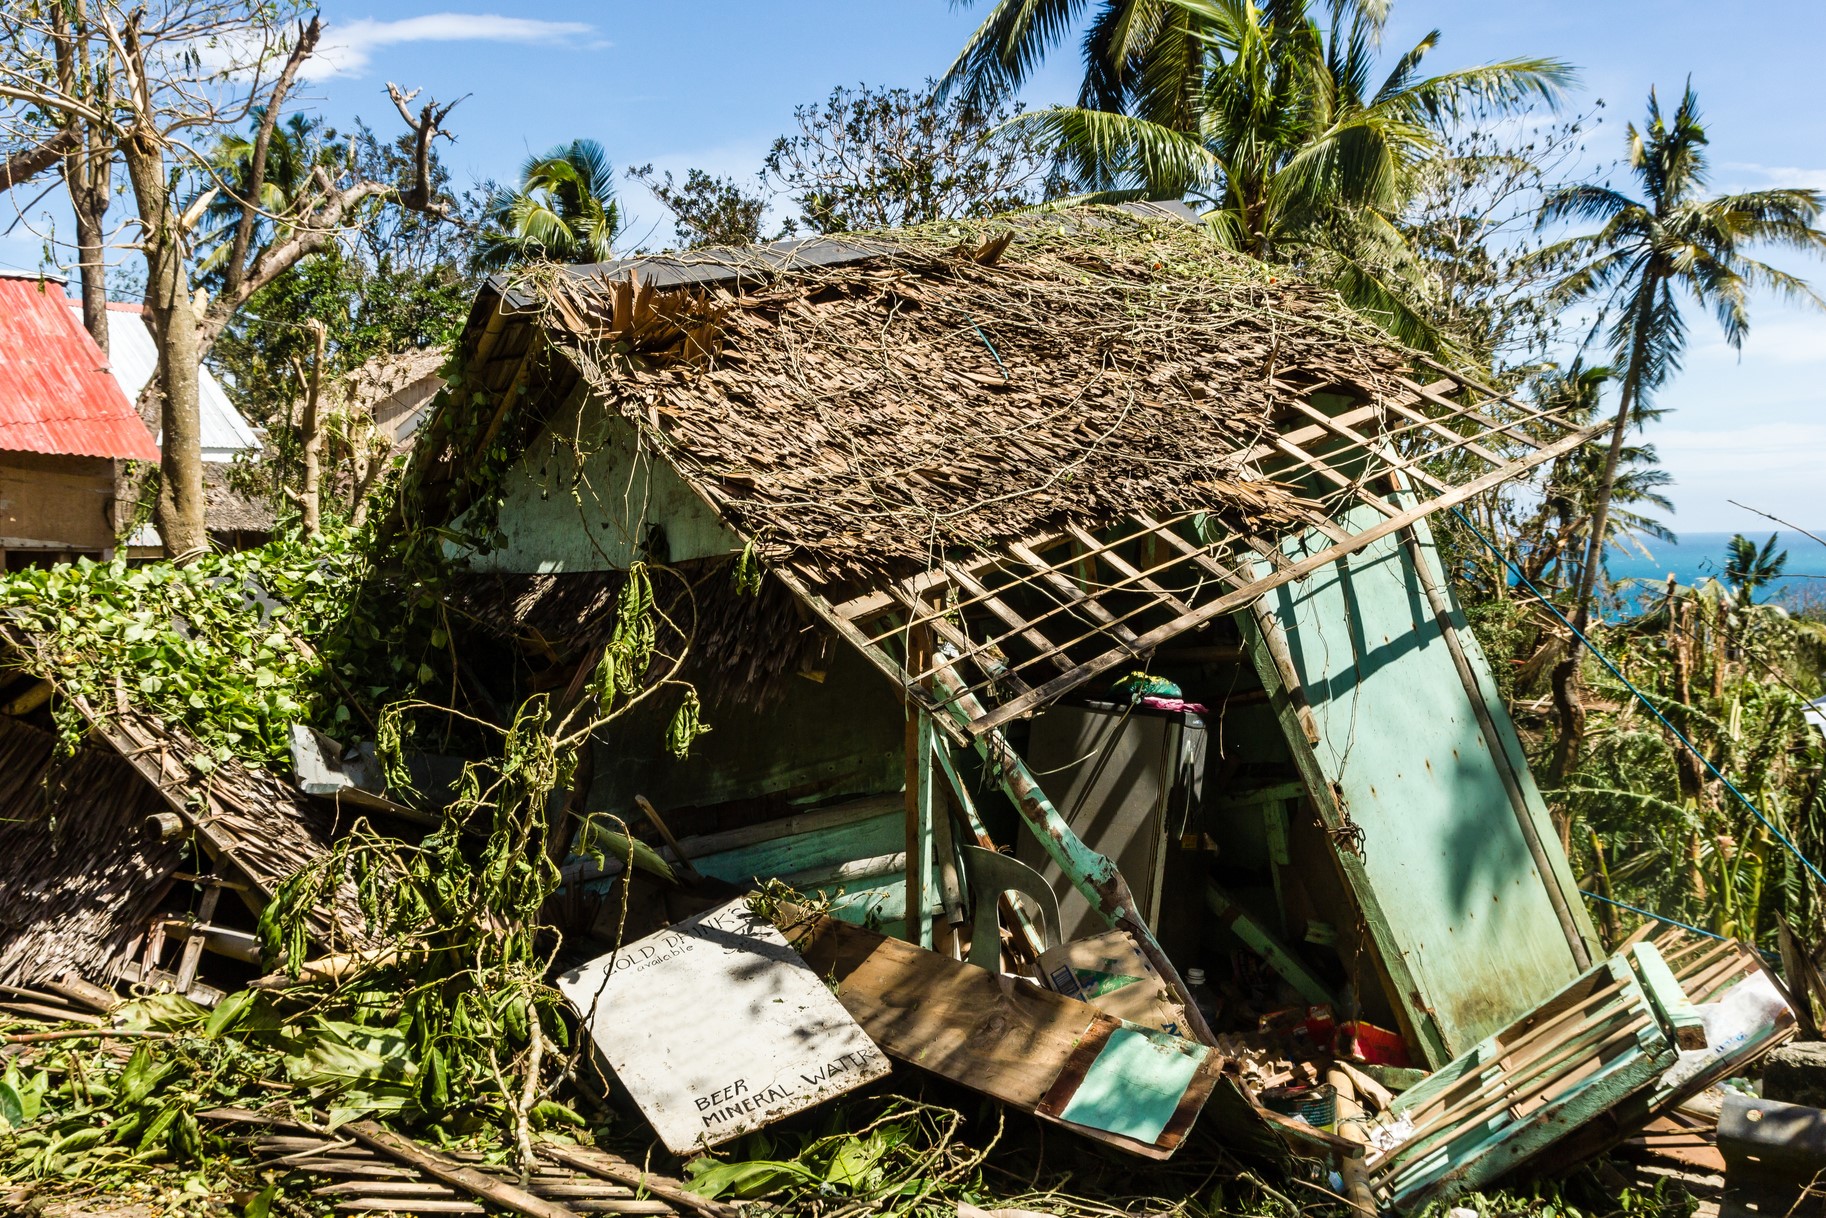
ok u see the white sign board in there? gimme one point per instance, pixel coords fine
(716, 1027)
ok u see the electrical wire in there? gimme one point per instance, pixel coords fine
(1641, 697)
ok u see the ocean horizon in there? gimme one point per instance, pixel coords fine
(1700, 556)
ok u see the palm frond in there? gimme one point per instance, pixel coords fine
(1009, 45)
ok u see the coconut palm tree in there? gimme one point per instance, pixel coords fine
(298, 146)
(1298, 149)
(1748, 568)
(564, 210)
(1647, 253)
(1139, 56)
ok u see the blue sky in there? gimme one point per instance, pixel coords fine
(711, 83)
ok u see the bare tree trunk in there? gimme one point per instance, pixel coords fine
(88, 174)
(171, 313)
(311, 498)
(1680, 653)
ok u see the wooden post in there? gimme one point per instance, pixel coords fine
(920, 800)
(199, 932)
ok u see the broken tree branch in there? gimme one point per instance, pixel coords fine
(308, 35)
(28, 163)
(449, 1171)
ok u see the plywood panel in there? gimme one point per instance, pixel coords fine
(56, 502)
(717, 1027)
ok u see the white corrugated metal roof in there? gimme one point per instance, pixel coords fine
(1816, 714)
(132, 357)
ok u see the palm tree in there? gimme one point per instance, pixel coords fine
(1747, 568)
(1550, 545)
(564, 210)
(1299, 151)
(1139, 55)
(1648, 252)
(296, 149)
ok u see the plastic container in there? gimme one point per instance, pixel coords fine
(1203, 997)
(1314, 1103)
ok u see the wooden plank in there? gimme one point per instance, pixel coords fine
(1516, 1094)
(1366, 412)
(920, 798)
(193, 944)
(1262, 941)
(1075, 597)
(611, 1167)
(1130, 572)
(870, 652)
(448, 1171)
(996, 1035)
(1369, 446)
(936, 622)
(1006, 614)
(1047, 692)
(387, 1205)
(1457, 440)
(1671, 1002)
(1493, 426)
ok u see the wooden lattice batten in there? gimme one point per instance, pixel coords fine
(1031, 620)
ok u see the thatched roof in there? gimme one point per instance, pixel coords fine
(85, 867)
(253, 828)
(229, 510)
(938, 397)
(1050, 441)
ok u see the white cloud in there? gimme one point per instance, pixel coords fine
(348, 48)
(1780, 175)
(1791, 339)
(1760, 450)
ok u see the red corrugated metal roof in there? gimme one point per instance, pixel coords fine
(56, 393)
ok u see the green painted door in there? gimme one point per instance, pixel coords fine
(1465, 922)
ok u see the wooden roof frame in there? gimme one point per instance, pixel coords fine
(1020, 626)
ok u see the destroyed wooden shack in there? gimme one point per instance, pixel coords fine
(1001, 484)
(1083, 541)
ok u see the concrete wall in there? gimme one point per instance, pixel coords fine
(56, 503)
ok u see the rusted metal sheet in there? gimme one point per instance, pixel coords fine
(717, 1027)
(56, 393)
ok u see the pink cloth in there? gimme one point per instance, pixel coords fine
(1173, 704)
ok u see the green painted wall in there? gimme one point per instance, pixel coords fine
(844, 736)
(1442, 853)
(562, 513)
